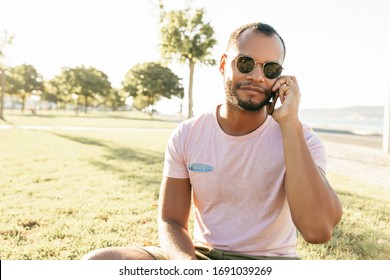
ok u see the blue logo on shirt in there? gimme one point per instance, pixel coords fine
(200, 167)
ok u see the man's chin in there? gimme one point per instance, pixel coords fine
(248, 105)
(251, 107)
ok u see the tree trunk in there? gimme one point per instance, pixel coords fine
(77, 106)
(23, 96)
(149, 107)
(2, 93)
(86, 104)
(386, 126)
(190, 100)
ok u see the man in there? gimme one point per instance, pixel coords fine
(253, 172)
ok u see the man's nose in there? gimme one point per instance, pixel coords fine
(257, 73)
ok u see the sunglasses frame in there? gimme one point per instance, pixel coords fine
(262, 63)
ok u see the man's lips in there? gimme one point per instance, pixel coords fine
(252, 89)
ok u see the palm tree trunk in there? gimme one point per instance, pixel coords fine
(2, 70)
(190, 100)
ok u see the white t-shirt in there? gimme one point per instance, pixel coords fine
(237, 185)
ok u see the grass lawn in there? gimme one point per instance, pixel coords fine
(66, 192)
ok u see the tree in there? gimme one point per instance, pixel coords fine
(60, 90)
(150, 81)
(115, 99)
(81, 82)
(186, 36)
(24, 80)
(48, 93)
(5, 39)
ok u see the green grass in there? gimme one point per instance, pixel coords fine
(64, 193)
(364, 229)
(95, 119)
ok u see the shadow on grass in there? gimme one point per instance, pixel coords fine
(84, 140)
(119, 159)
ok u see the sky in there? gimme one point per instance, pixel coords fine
(338, 50)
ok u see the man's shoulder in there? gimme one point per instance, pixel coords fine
(193, 128)
(204, 119)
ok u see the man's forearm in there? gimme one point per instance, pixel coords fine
(314, 206)
(175, 241)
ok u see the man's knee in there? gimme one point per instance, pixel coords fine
(118, 253)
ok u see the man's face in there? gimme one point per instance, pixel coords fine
(251, 103)
(250, 91)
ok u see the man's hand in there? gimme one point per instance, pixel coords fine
(287, 89)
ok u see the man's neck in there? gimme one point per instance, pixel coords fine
(236, 122)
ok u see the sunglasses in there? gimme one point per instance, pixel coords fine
(245, 64)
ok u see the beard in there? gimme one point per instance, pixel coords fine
(235, 101)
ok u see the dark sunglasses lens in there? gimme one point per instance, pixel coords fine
(272, 70)
(245, 64)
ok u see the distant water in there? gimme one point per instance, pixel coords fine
(355, 120)
(362, 127)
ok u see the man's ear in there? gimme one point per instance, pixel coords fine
(222, 64)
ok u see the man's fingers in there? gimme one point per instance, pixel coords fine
(284, 81)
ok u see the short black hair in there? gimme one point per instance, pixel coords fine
(263, 28)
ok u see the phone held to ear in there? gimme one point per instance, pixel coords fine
(272, 103)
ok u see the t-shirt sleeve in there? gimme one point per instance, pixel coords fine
(174, 162)
(316, 147)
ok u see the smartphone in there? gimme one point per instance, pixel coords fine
(273, 101)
